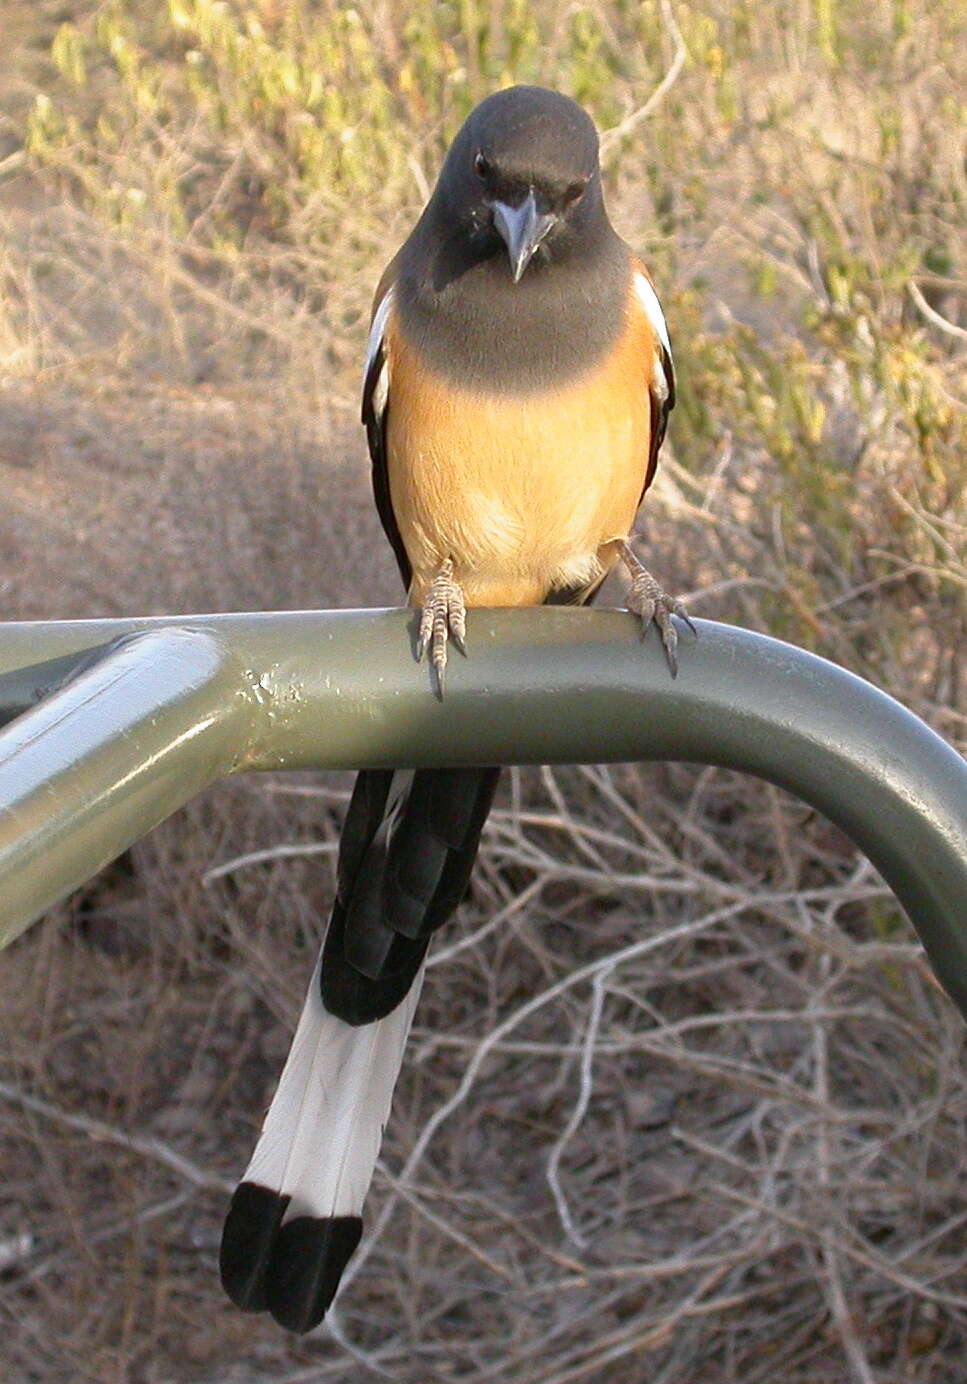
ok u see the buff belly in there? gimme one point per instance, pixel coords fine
(526, 494)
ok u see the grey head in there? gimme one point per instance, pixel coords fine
(514, 275)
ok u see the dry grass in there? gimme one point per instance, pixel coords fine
(684, 1102)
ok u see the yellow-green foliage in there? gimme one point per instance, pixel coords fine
(809, 153)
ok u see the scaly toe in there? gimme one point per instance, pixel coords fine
(426, 629)
(458, 622)
(438, 645)
(677, 607)
(669, 636)
(645, 599)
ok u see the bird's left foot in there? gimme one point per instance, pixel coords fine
(649, 602)
(444, 618)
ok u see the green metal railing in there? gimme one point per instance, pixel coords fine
(111, 725)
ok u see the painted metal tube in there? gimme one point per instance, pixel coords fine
(106, 757)
(340, 689)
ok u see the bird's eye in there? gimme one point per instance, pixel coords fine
(482, 166)
(574, 193)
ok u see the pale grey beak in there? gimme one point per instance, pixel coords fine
(522, 230)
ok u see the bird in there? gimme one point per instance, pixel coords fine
(517, 385)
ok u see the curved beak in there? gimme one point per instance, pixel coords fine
(522, 230)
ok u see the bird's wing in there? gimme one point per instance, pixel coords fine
(661, 382)
(375, 413)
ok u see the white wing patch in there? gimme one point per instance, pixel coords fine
(376, 334)
(649, 301)
(660, 380)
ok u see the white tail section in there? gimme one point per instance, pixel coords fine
(321, 1136)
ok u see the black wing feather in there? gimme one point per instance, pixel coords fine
(660, 409)
(375, 422)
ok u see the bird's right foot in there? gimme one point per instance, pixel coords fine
(444, 618)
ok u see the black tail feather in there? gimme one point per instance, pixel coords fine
(409, 844)
(250, 1229)
(308, 1258)
(355, 997)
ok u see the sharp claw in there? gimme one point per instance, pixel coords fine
(678, 608)
(458, 629)
(426, 626)
(439, 659)
(646, 615)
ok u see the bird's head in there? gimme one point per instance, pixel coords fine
(522, 177)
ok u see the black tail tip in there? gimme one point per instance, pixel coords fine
(251, 1227)
(308, 1260)
(290, 1270)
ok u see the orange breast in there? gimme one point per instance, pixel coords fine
(524, 493)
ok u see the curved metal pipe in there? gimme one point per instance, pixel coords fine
(118, 748)
(340, 689)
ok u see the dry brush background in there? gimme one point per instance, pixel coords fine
(683, 1102)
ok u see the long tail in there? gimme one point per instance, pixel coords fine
(407, 849)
